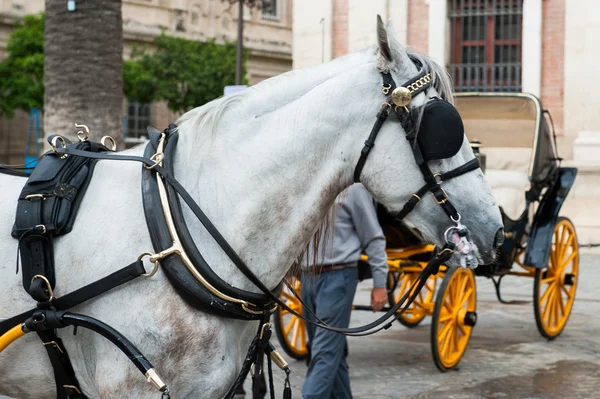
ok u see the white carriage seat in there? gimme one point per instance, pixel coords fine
(506, 172)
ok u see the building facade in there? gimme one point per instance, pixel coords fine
(543, 47)
(267, 37)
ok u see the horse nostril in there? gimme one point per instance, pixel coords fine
(499, 238)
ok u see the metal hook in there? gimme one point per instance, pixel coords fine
(83, 136)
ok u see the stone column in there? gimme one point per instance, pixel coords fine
(531, 75)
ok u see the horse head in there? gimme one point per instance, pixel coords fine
(392, 172)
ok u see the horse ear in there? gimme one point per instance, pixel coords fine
(382, 39)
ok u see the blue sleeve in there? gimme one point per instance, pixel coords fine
(370, 234)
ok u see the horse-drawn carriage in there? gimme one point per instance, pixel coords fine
(514, 139)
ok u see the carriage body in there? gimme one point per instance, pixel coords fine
(521, 164)
(515, 143)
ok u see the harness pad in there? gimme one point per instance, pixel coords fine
(47, 207)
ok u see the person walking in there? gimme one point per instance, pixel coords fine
(328, 289)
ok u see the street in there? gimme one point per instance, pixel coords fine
(506, 357)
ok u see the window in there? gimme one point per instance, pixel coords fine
(138, 118)
(486, 44)
(270, 10)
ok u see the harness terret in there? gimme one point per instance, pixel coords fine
(189, 273)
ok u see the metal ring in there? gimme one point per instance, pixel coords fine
(108, 138)
(457, 220)
(157, 158)
(153, 272)
(48, 286)
(53, 143)
(385, 88)
(83, 136)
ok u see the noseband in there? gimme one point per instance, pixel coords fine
(401, 98)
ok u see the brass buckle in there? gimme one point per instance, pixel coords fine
(444, 200)
(417, 197)
(54, 344)
(48, 286)
(386, 104)
(262, 330)
(72, 387)
(443, 251)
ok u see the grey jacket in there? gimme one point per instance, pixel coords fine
(355, 229)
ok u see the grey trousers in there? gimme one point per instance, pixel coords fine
(330, 296)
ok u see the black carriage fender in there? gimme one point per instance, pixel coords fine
(540, 240)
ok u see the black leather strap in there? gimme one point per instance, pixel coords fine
(416, 198)
(83, 294)
(382, 115)
(67, 386)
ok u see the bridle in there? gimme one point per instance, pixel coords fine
(401, 97)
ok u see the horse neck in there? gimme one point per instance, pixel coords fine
(267, 183)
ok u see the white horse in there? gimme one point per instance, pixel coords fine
(265, 165)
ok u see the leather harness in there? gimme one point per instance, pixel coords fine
(176, 252)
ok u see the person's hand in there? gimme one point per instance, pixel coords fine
(378, 298)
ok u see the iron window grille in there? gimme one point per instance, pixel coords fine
(486, 44)
(138, 118)
(270, 10)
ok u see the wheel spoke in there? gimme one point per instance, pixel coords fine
(448, 306)
(548, 280)
(445, 330)
(295, 335)
(443, 319)
(550, 291)
(544, 296)
(446, 344)
(550, 308)
(466, 296)
(455, 339)
(461, 293)
(566, 262)
(302, 334)
(568, 292)
(566, 246)
(289, 326)
(561, 305)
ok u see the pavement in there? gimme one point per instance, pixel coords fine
(506, 357)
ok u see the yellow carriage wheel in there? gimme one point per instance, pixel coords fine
(290, 329)
(398, 285)
(554, 287)
(453, 317)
